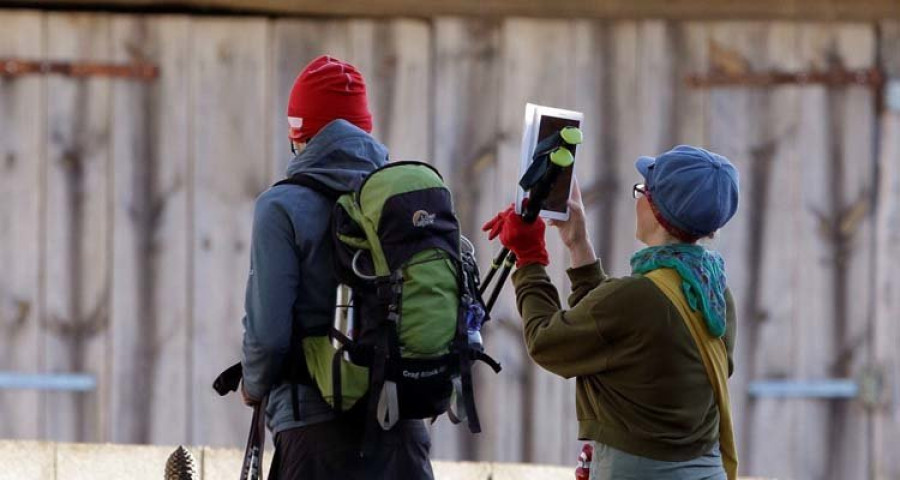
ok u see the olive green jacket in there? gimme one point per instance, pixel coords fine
(641, 386)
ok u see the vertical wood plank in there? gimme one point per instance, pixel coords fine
(839, 222)
(845, 227)
(403, 77)
(613, 207)
(534, 71)
(591, 54)
(466, 85)
(295, 43)
(151, 236)
(22, 169)
(229, 165)
(886, 331)
(755, 129)
(393, 56)
(779, 202)
(78, 227)
(690, 50)
(856, 45)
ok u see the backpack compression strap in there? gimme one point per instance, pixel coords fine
(467, 354)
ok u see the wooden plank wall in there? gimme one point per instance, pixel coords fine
(22, 168)
(886, 332)
(127, 206)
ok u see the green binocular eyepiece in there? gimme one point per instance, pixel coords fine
(562, 157)
(571, 135)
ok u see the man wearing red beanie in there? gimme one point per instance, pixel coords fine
(291, 289)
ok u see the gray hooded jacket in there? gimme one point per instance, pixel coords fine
(291, 271)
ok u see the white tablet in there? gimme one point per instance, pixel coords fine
(541, 122)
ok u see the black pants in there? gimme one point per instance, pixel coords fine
(330, 450)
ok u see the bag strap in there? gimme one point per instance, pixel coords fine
(714, 356)
(308, 181)
(347, 345)
(297, 369)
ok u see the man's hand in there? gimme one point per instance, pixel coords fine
(248, 400)
(573, 232)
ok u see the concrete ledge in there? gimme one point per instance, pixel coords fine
(27, 460)
(22, 460)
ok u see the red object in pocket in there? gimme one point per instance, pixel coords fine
(583, 471)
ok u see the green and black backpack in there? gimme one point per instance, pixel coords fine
(415, 307)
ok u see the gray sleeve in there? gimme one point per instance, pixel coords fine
(272, 289)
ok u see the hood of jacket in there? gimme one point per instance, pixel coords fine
(340, 156)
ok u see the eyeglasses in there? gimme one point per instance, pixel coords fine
(638, 190)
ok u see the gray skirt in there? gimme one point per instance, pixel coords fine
(611, 464)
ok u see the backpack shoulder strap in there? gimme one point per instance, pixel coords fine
(297, 370)
(306, 180)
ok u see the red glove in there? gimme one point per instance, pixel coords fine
(525, 240)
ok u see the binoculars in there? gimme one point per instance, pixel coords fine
(551, 155)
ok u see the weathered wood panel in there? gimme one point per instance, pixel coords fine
(618, 143)
(466, 87)
(401, 83)
(836, 131)
(151, 236)
(886, 328)
(22, 168)
(165, 221)
(534, 70)
(740, 128)
(294, 44)
(229, 155)
(394, 58)
(77, 227)
(852, 173)
(609, 9)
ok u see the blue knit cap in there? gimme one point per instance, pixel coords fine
(695, 190)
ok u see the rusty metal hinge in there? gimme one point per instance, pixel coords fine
(12, 67)
(869, 77)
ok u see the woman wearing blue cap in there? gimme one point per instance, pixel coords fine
(651, 352)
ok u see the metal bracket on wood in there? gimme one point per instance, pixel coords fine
(892, 95)
(11, 67)
(71, 382)
(843, 388)
(870, 77)
(868, 388)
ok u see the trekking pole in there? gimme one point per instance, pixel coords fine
(508, 262)
(229, 381)
(495, 265)
(551, 156)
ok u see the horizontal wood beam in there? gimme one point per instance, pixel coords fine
(845, 10)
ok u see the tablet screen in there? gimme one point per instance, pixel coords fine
(559, 195)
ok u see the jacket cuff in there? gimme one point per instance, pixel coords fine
(531, 270)
(590, 273)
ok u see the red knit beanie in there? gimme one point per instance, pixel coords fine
(326, 90)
